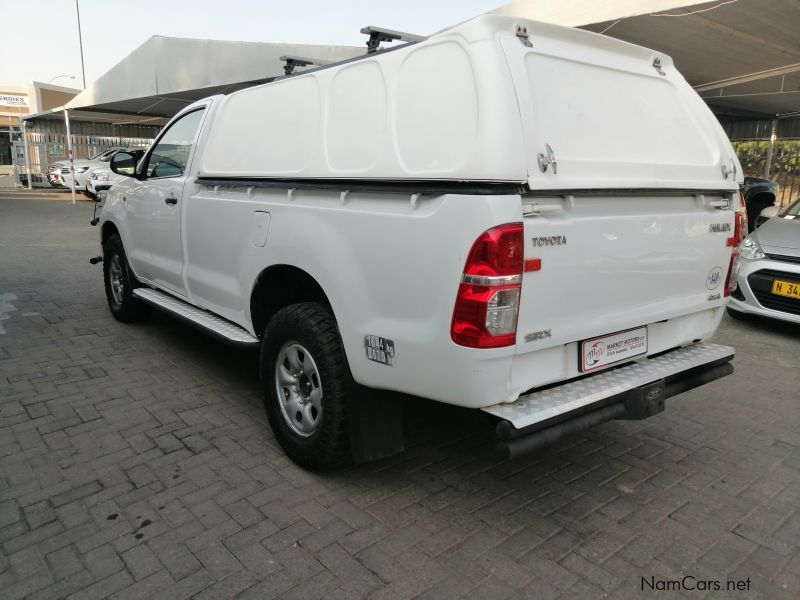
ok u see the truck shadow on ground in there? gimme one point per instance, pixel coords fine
(447, 495)
(426, 423)
(449, 459)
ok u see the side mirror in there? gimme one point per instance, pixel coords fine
(769, 212)
(124, 163)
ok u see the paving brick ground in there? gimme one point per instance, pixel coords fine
(135, 462)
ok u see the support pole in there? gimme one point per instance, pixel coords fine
(69, 154)
(80, 43)
(24, 127)
(771, 148)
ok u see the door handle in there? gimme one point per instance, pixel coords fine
(171, 200)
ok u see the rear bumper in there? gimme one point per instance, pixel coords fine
(636, 391)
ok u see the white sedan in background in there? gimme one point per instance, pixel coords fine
(60, 172)
(769, 276)
(100, 178)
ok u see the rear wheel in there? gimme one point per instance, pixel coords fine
(120, 283)
(307, 385)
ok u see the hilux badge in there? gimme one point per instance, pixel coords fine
(719, 227)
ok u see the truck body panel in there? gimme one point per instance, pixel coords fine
(375, 178)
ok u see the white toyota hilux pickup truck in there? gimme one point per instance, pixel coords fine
(533, 221)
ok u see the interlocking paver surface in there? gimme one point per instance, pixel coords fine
(135, 462)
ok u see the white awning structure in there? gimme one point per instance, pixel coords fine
(742, 56)
(165, 74)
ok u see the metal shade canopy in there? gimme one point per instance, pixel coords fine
(166, 74)
(742, 56)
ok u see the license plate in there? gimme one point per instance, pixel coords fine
(786, 288)
(606, 350)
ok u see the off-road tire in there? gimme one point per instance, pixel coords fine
(126, 309)
(311, 325)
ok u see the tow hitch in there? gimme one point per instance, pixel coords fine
(632, 392)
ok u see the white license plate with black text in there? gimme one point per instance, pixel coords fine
(606, 350)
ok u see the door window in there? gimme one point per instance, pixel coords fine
(171, 154)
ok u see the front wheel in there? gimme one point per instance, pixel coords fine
(120, 283)
(307, 385)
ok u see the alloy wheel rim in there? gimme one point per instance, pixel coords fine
(299, 389)
(117, 284)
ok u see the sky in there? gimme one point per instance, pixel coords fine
(112, 29)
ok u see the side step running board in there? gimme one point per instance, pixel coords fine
(222, 328)
(635, 391)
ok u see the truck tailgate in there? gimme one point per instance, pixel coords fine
(610, 263)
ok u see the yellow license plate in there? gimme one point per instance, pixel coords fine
(786, 288)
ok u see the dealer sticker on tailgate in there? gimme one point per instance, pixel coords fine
(600, 352)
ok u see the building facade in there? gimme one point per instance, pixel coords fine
(18, 101)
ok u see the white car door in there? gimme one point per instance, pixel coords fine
(153, 209)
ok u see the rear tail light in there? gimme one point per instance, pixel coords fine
(739, 233)
(487, 304)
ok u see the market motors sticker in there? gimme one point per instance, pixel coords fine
(601, 352)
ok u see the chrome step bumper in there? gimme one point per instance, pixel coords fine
(631, 392)
(209, 322)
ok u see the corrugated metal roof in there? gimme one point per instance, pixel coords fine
(739, 130)
(729, 49)
(736, 41)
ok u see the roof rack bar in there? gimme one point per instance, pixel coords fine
(293, 61)
(379, 34)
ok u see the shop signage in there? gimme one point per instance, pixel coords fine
(9, 100)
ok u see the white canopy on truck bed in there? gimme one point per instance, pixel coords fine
(478, 102)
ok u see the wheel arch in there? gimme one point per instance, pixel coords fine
(108, 229)
(279, 286)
